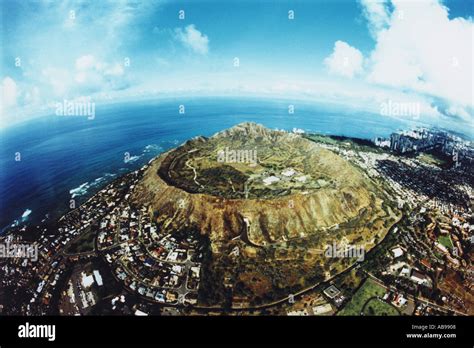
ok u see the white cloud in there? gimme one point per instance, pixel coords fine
(455, 110)
(114, 70)
(9, 92)
(425, 51)
(376, 13)
(86, 62)
(59, 79)
(93, 75)
(32, 96)
(345, 60)
(193, 39)
(88, 76)
(418, 49)
(13, 96)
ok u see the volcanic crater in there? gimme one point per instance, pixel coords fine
(275, 197)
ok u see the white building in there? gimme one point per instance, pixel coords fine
(397, 252)
(87, 280)
(288, 172)
(270, 180)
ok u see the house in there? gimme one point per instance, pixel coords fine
(301, 312)
(270, 180)
(419, 278)
(98, 278)
(405, 272)
(331, 291)
(288, 172)
(397, 252)
(323, 309)
(87, 280)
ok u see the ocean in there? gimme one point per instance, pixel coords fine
(65, 157)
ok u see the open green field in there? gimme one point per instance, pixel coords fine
(368, 290)
(344, 142)
(446, 241)
(379, 307)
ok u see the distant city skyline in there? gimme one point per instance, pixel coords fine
(355, 53)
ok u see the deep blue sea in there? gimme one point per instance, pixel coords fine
(72, 156)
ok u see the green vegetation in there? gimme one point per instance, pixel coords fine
(345, 142)
(379, 308)
(239, 162)
(370, 289)
(446, 241)
(322, 139)
(431, 159)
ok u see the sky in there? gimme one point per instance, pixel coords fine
(359, 53)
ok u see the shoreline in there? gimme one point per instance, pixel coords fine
(59, 216)
(5, 230)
